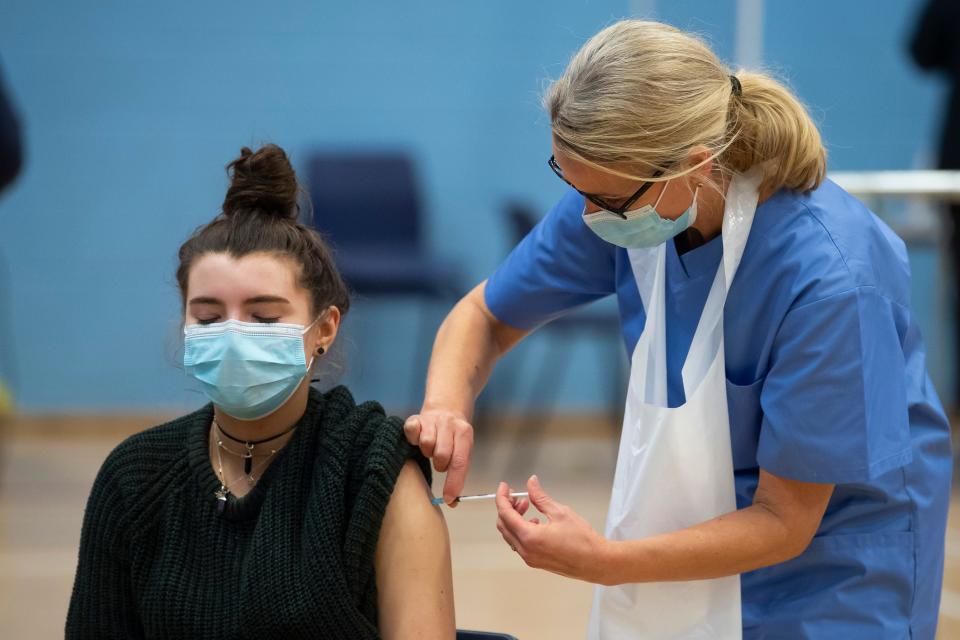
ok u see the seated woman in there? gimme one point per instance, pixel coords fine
(276, 511)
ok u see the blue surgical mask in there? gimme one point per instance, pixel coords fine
(247, 369)
(642, 227)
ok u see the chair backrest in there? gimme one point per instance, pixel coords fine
(365, 200)
(483, 635)
(522, 219)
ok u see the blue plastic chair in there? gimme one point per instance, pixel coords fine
(368, 206)
(483, 635)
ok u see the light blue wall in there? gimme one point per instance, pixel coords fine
(131, 111)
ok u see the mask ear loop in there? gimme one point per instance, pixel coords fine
(319, 351)
(315, 320)
(310, 365)
(660, 197)
(693, 206)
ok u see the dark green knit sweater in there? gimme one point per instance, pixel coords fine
(291, 559)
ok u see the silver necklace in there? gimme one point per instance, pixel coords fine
(247, 454)
(224, 490)
(250, 444)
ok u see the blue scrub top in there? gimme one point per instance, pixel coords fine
(826, 382)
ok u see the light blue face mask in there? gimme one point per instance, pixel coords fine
(247, 369)
(642, 227)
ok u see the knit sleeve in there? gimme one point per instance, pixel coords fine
(102, 604)
(379, 453)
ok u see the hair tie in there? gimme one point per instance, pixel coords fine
(737, 87)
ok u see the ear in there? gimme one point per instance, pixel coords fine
(700, 157)
(326, 329)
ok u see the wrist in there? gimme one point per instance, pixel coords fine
(446, 405)
(609, 563)
(627, 562)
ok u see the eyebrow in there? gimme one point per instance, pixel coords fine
(253, 300)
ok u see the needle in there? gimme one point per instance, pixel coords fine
(485, 496)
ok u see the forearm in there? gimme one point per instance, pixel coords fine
(467, 346)
(730, 544)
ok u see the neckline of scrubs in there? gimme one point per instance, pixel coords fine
(698, 262)
(689, 277)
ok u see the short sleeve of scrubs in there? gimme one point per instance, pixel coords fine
(561, 264)
(835, 400)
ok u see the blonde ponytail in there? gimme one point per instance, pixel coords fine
(639, 95)
(770, 125)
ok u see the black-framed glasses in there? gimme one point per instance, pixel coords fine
(597, 200)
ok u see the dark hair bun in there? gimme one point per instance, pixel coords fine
(262, 181)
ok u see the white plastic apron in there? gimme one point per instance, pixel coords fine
(675, 466)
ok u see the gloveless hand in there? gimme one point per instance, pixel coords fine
(564, 544)
(447, 438)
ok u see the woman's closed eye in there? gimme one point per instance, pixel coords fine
(256, 318)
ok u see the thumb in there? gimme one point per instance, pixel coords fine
(411, 429)
(544, 503)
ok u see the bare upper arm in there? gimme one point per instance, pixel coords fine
(414, 574)
(799, 506)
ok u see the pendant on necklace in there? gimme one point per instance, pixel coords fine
(248, 459)
(221, 495)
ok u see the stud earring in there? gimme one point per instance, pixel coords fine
(320, 351)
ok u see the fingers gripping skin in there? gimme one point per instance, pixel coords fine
(459, 461)
(447, 438)
(418, 436)
(444, 446)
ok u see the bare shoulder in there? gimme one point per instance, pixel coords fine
(414, 575)
(411, 521)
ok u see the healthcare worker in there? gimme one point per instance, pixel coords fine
(784, 467)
